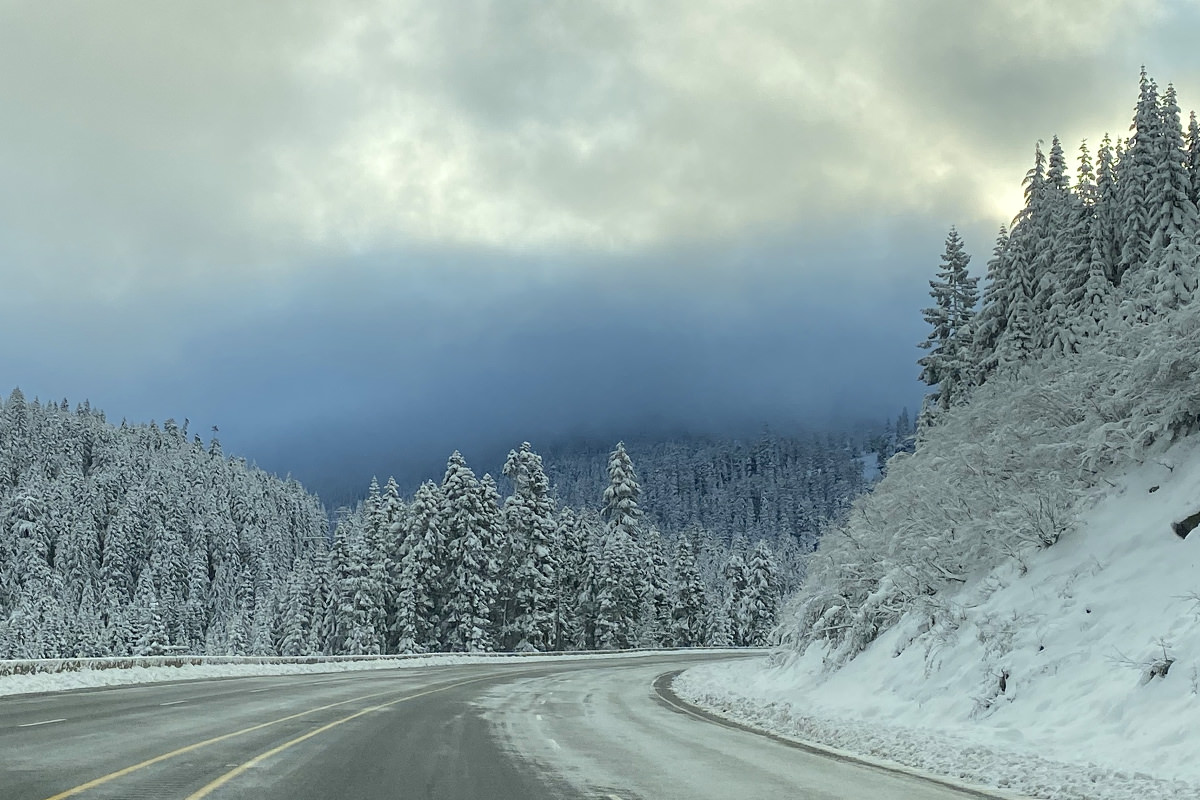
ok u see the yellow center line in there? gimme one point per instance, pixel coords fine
(209, 788)
(112, 776)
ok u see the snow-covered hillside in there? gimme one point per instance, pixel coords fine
(1017, 601)
(1064, 676)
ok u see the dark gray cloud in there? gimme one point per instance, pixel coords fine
(610, 356)
(376, 372)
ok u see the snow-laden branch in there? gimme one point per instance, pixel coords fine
(999, 476)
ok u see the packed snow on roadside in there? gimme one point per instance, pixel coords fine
(93, 678)
(1074, 674)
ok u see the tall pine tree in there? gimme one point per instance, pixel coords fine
(948, 366)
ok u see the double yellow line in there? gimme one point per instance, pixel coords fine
(209, 788)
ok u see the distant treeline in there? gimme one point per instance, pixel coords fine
(141, 539)
(783, 489)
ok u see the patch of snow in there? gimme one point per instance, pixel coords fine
(1072, 673)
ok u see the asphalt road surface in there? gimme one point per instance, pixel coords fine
(515, 731)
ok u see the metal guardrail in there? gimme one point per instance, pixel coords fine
(36, 666)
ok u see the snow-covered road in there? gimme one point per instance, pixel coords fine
(608, 734)
(585, 728)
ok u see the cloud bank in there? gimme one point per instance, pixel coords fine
(282, 216)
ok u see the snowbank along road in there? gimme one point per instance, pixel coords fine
(577, 729)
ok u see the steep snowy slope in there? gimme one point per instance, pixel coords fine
(1073, 672)
(1012, 602)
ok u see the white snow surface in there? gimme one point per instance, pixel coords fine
(1077, 630)
(93, 678)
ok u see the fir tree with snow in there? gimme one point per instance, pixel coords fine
(688, 608)
(990, 323)
(762, 595)
(947, 367)
(530, 521)
(1135, 173)
(621, 509)
(1171, 268)
(656, 602)
(615, 585)
(618, 584)
(421, 598)
(572, 542)
(736, 601)
(470, 588)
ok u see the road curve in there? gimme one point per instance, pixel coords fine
(572, 729)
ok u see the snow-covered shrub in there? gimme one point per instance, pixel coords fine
(996, 476)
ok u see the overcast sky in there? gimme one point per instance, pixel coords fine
(359, 235)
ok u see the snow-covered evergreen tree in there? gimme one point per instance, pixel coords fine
(150, 632)
(1193, 158)
(948, 366)
(618, 582)
(298, 612)
(762, 595)
(571, 541)
(1026, 253)
(989, 324)
(470, 588)
(1174, 259)
(336, 609)
(531, 525)
(615, 589)
(738, 624)
(1063, 323)
(361, 610)
(377, 586)
(656, 601)
(420, 603)
(688, 609)
(621, 509)
(1135, 172)
(1105, 237)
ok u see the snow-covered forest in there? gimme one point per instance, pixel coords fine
(142, 539)
(458, 568)
(1080, 359)
(137, 539)
(592, 560)
(773, 487)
